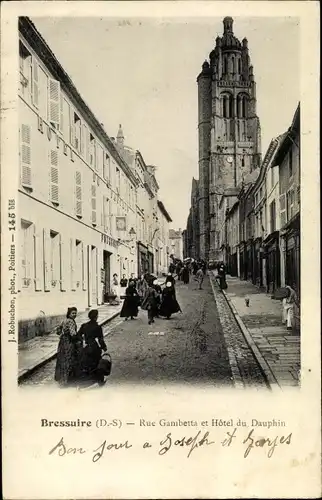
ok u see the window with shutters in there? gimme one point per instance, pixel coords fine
(26, 253)
(54, 102)
(99, 159)
(84, 142)
(92, 151)
(107, 167)
(25, 156)
(106, 214)
(283, 215)
(79, 194)
(54, 176)
(61, 108)
(94, 204)
(118, 180)
(54, 270)
(77, 127)
(25, 71)
(65, 128)
(272, 214)
(290, 204)
(35, 82)
(78, 264)
(42, 93)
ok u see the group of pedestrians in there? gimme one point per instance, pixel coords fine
(79, 351)
(158, 300)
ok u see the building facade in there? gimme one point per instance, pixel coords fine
(229, 130)
(176, 243)
(191, 236)
(151, 221)
(163, 240)
(79, 201)
(288, 160)
(259, 235)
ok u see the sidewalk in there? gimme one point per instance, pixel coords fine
(276, 348)
(37, 351)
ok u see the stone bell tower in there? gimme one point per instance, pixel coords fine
(229, 129)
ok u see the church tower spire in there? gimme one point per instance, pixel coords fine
(229, 130)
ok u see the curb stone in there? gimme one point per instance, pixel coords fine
(23, 374)
(236, 375)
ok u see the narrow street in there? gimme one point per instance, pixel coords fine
(190, 348)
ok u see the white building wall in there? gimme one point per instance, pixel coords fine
(70, 195)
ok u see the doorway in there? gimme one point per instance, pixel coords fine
(107, 274)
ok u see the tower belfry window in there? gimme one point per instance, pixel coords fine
(231, 105)
(225, 65)
(244, 107)
(239, 66)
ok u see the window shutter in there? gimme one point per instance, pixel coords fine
(47, 259)
(83, 131)
(54, 176)
(72, 128)
(61, 124)
(64, 267)
(79, 202)
(85, 139)
(39, 276)
(283, 218)
(104, 166)
(26, 178)
(98, 277)
(73, 262)
(54, 101)
(35, 82)
(84, 266)
(94, 219)
(29, 254)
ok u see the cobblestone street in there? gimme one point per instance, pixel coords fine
(203, 345)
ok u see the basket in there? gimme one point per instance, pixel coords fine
(105, 365)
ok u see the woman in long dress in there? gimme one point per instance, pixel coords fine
(222, 276)
(169, 303)
(123, 285)
(130, 307)
(288, 307)
(185, 275)
(69, 350)
(150, 303)
(94, 345)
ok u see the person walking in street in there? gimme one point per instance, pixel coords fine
(133, 278)
(222, 276)
(169, 303)
(142, 287)
(288, 305)
(115, 286)
(130, 306)
(69, 350)
(158, 289)
(170, 279)
(92, 333)
(200, 277)
(185, 275)
(150, 303)
(123, 285)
